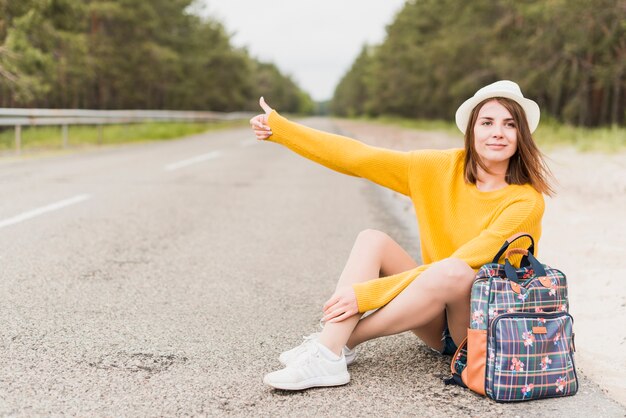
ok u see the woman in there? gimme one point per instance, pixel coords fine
(467, 201)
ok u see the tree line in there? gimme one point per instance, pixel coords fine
(568, 55)
(125, 54)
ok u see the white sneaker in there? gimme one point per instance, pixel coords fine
(311, 369)
(290, 356)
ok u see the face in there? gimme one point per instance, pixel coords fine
(495, 134)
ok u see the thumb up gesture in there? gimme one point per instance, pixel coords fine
(259, 122)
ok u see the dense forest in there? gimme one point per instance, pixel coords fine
(569, 55)
(125, 54)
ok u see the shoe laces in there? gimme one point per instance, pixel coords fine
(302, 348)
(322, 323)
(308, 340)
(310, 350)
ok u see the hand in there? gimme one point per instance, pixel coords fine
(259, 123)
(342, 305)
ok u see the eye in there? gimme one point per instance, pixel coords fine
(486, 123)
(510, 125)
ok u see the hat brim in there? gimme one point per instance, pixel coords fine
(530, 108)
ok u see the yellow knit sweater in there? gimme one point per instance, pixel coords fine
(455, 219)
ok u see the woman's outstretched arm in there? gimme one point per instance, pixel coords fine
(388, 168)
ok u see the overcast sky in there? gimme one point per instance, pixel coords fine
(314, 41)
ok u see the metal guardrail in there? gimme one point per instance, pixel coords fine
(66, 117)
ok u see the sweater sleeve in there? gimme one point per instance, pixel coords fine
(375, 293)
(520, 216)
(385, 167)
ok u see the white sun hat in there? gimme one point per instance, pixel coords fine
(502, 88)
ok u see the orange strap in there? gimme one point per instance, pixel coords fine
(509, 241)
(512, 251)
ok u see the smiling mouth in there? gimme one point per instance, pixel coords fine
(496, 145)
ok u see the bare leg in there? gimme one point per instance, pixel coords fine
(374, 253)
(422, 307)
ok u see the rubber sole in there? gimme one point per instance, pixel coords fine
(286, 363)
(323, 381)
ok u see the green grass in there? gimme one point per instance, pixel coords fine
(50, 137)
(549, 135)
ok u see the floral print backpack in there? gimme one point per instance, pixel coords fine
(520, 344)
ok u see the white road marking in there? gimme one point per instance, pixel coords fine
(190, 161)
(40, 211)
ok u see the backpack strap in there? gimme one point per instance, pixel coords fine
(511, 272)
(512, 251)
(509, 241)
(456, 378)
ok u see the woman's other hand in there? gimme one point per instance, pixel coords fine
(341, 305)
(259, 123)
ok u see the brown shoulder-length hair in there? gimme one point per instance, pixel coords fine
(526, 166)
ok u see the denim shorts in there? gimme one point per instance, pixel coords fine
(449, 347)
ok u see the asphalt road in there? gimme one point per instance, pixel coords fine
(164, 279)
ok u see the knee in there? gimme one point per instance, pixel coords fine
(456, 274)
(372, 237)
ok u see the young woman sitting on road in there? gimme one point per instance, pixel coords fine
(467, 201)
